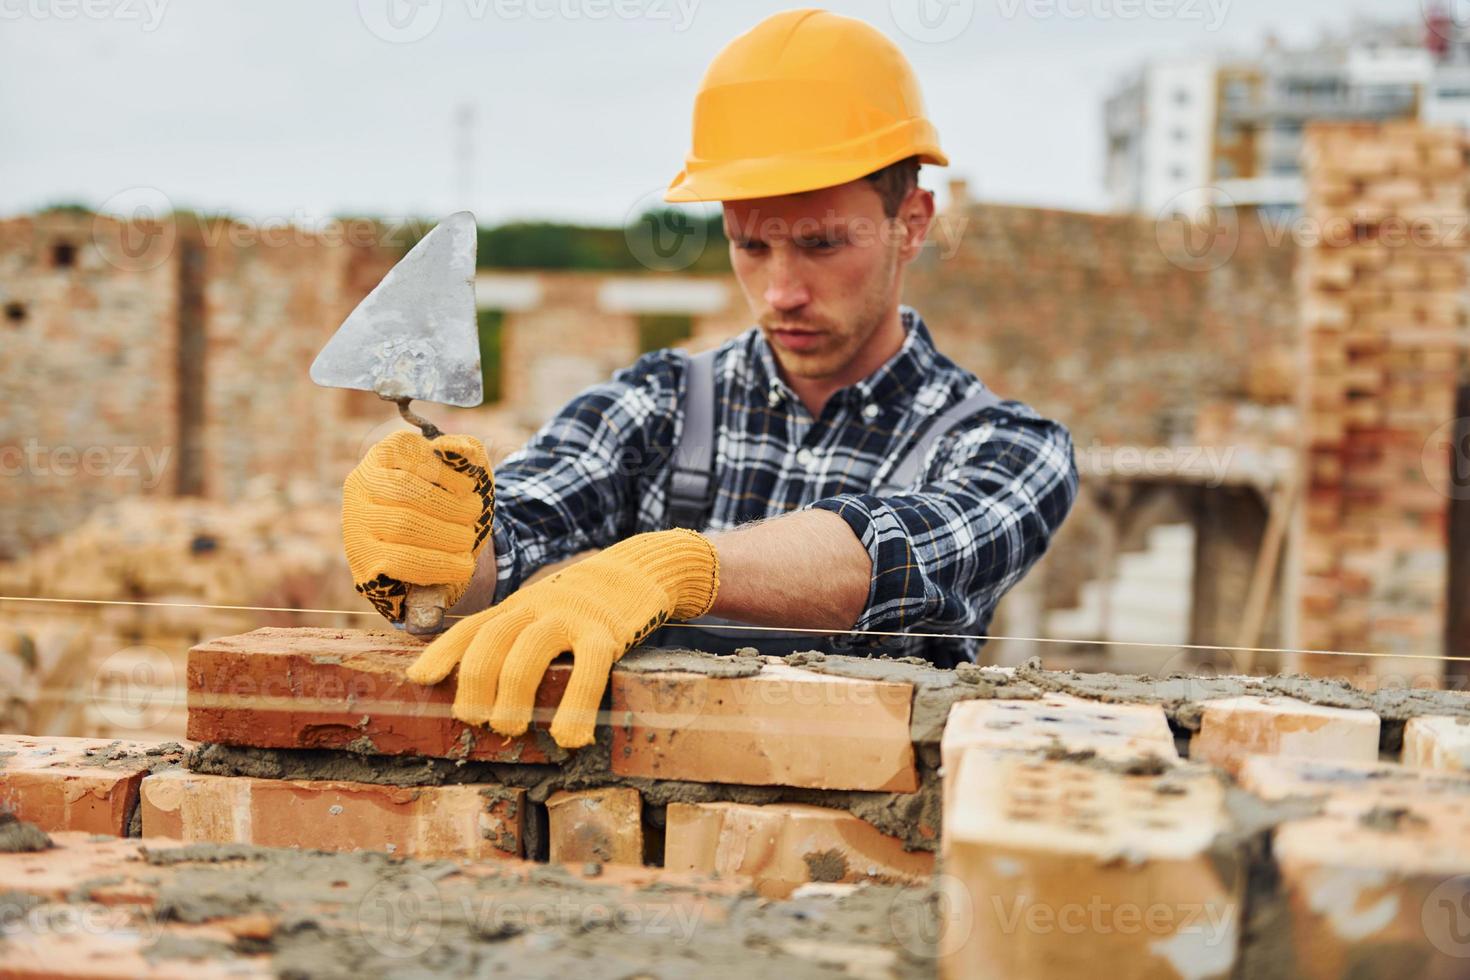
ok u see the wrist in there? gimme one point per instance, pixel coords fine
(684, 562)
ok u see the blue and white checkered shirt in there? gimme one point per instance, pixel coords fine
(991, 493)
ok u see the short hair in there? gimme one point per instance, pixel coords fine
(894, 182)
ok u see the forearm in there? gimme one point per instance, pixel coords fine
(804, 570)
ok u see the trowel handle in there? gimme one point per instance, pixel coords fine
(423, 609)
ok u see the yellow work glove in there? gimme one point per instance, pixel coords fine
(598, 609)
(416, 512)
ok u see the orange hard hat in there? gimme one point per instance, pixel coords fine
(805, 99)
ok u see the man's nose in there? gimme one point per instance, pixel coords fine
(785, 291)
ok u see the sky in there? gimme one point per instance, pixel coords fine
(293, 110)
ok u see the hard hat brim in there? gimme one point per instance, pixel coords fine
(743, 180)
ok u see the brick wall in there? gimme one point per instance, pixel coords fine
(163, 357)
(1049, 822)
(1382, 293)
(1109, 322)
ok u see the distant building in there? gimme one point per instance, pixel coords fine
(1183, 133)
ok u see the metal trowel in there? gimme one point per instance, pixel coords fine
(415, 337)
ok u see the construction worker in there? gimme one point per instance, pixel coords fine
(827, 469)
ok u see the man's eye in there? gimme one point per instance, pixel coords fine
(820, 244)
(750, 246)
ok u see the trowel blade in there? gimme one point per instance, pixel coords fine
(414, 335)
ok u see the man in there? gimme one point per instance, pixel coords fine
(810, 129)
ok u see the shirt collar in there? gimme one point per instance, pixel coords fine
(898, 377)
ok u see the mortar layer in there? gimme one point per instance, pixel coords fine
(367, 914)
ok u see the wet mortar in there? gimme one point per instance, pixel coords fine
(368, 914)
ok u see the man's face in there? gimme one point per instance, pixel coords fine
(821, 271)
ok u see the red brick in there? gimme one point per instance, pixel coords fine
(783, 726)
(1351, 788)
(1233, 729)
(468, 821)
(1381, 895)
(56, 785)
(1438, 742)
(784, 845)
(1054, 868)
(602, 825)
(343, 689)
(1060, 722)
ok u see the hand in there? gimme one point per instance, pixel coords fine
(598, 608)
(416, 512)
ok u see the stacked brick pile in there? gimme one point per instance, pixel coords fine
(118, 670)
(1382, 289)
(1192, 827)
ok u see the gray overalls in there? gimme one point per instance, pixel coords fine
(692, 497)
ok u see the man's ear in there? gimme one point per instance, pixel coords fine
(915, 216)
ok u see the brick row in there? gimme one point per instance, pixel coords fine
(782, 846)
(344, 689)
(82, 784)
(465, 821)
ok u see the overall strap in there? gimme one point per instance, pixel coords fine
(692, 487)
(905, 472)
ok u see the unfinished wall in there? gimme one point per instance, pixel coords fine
(1108, 322)
(163, 357)
(975, 823)
(1383, 293)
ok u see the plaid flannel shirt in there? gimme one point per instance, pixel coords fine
(991, 494)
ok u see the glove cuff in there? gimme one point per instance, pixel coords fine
(684, 562)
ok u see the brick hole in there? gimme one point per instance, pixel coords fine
(15, 313)
(63, 255)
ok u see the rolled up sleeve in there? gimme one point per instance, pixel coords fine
(991, 496)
